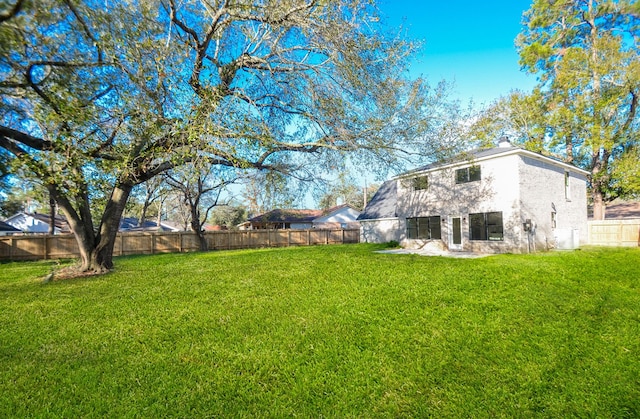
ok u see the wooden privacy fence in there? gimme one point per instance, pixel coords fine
(614, 232)
(36, 247)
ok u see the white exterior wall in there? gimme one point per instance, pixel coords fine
(301, 226)
(381, 230)
(498, 190)
(520, 185)
(346, 217)
(543, 193)
(29, 224)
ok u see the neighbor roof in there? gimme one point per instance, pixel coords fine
(294, 215)
(622, 210)
(59, 221)
(287, 216)
(8, 227)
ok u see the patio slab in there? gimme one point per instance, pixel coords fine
(431, 252)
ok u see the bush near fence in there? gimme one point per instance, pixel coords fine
(36, 247)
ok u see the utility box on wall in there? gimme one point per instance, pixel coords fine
(567, 239)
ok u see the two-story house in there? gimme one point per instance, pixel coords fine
(503, 199)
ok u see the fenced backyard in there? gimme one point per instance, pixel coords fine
(37, 247)
(325, 331)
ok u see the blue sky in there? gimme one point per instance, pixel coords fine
(469, 42)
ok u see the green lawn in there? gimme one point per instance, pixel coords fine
(328, 331)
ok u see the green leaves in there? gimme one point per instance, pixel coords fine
(585, 54)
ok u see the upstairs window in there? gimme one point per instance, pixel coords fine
(468, 174)
(567, 186)
(420, 183)
(427, 228)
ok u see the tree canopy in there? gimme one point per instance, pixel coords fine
(586, 55)
(97, 97)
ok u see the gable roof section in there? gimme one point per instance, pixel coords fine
(287, 216)
(8, 228)
(622, 210)
(295, 215)
(486, 154)
(59, 222)
(383, 203)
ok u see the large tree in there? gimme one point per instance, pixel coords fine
(586, 55)
(201, 190)
(97, 97)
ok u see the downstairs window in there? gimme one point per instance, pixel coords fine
(486, 226)
(427, 228)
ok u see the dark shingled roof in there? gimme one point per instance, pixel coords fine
(383, 203)
(294, 215)
(8, 227)
(622, 210)
(287, 216)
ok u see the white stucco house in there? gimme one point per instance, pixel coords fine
(497, 200)
(37, 223)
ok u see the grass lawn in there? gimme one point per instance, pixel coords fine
(328, 331)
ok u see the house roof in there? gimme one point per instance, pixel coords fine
(287, 216)
(131, 224)
(295, 215)
(7, 227)
(383, 203)
(622, 210)
(488, 153)
(59, 222)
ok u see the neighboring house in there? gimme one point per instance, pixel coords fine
(497, 200)
(341, 216)
(379, 223)
(6, 229)
(130, 224)
(37, 223)
(620, 210)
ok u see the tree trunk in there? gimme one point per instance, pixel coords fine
(102, 259)
(598, 204)
(196, 226)
(96, 250)
(52, 215)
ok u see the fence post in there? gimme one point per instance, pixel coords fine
(620, 232)
(308, 237)
(45, 247)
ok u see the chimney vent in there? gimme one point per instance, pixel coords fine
(504, 142)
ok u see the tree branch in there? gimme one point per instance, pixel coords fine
(26, 139)
(85, 28)
(12, 12)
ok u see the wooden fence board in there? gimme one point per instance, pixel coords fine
(42, 246)
(614, 233)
